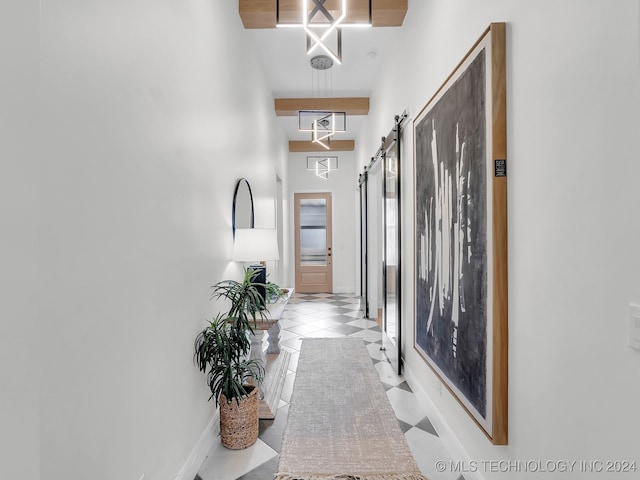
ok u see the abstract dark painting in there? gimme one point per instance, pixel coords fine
(456, 282)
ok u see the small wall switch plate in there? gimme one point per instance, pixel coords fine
(634, 326)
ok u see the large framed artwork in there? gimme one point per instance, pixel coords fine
(460, 186)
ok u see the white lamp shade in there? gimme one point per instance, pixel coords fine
(255, 245)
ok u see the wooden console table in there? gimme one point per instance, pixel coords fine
(276, 362)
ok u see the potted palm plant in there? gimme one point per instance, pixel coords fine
(221, 353)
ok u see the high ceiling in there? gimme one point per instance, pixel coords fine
(287, 66)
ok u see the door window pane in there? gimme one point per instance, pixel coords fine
(313, 232)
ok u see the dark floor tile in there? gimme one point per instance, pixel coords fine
(387, 387)
(345, 329)
(425, 424)
(340, 310)
(265, 471)
(307, 298)
(405, 386)
(405, 427)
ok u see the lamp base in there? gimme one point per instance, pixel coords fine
(261, 278)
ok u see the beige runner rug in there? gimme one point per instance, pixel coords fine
(341, 424)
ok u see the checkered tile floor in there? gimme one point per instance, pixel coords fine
(329, 315)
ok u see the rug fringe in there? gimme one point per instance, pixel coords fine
(408, 476)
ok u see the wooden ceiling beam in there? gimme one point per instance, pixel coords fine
(257, 13)
(262, 13)
(357, 11)
(388, 13)
(289, 107)
(309, 146)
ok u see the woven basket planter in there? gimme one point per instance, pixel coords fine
(239, 423)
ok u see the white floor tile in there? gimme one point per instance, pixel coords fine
(324, 314)
(287, 335)
(406, 406)
(387, 374)
(363, 323)
(428, 449)
(225, 464)
(368, 335)
(375, 352)
(352, 306)
(292, 343)
(354, 300)
(321, 307)
(304, 329)
(325, 334)
(324, 322)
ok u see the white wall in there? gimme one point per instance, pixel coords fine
(19, 347)
(573, 95)
(147, 106)
(343, 185)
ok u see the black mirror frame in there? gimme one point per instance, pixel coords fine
(233, 208)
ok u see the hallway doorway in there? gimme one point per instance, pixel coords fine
(313, 243)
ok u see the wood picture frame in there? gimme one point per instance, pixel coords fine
(460, 220)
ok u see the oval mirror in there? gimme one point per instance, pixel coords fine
(242, 210)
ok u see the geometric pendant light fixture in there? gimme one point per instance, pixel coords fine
(323, 25)
(336, 121)
(319, 25)
(322, 124)
(322, 165)
(323, 130)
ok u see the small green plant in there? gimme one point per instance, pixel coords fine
(221, 349)
(273, 291)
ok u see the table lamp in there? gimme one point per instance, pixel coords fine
(256, 245)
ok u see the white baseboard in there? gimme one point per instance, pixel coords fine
(201, 449)
(451, 442)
